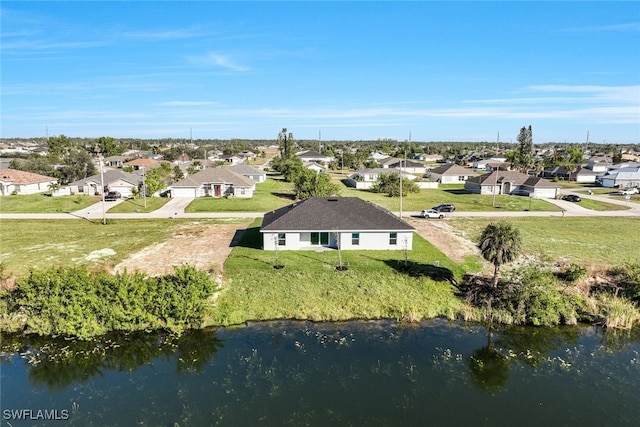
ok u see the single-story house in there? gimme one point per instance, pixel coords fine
(581, 174)
(512, 182)
(214, 182)
(429, 157)
(313, 156)
(115, 161)
(451, 174)
(349, 223)
(139, 164)
(314, 167)
(406, 165)
(599, 164)
(621, 178)
(258, 175)
(484, 163)
(13, 181)
(366, 178)
(231, 158)
(114, 180)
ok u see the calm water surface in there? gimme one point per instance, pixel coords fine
(435, 373)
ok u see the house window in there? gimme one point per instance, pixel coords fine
(282, 239)
(242, 193)
(462, 178)
(319, 239)
(80, 188)
(355, 239)
(393, 238)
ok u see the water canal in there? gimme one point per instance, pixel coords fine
(436, 373)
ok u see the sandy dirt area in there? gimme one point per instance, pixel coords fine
(205, 246)
(443, 236)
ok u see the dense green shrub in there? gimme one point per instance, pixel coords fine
(71, 301)
(534, 297)
(630, 282)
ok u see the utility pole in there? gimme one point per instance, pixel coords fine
(100, 160)
(144, 189)
(497, 171)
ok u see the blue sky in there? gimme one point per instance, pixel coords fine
(429, 71)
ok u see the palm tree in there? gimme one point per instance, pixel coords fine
(500, 243)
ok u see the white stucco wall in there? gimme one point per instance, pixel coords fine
(368, 241)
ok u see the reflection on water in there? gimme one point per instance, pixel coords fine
(352, 373)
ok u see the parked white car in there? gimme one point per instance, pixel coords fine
(629, 191)
(431, 213)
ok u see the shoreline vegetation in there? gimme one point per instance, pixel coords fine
(420, 284)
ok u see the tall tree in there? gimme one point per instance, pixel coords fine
(500, 243)
(525, 149)
(108, 146)
(285, 140)
(78, 164)
(312, 184)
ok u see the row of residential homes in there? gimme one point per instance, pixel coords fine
(224, 176)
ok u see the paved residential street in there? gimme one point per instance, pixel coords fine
(175, 209)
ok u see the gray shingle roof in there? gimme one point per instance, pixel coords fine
(333, 213)
(218, 175)
(109, 177)
(246, 170)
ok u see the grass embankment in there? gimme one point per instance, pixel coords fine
(596, 242)
(309, 287)
(42, 203)
(137, 205)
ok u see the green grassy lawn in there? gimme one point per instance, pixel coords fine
(42, 203)
(309, 287)
(596, 205)
(137, 205)
(598, 242)
(40, 244)
(270, 195)
(463, 200)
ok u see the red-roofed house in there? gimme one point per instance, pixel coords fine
(13, 181)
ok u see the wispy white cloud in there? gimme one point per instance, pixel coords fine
(184, 103)
(218, 60)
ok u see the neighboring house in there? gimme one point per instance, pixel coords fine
(313, 156)
(214, 182)
(139, 164)
(231, 158)
(406, 165)
(258, 175)
(428, 157)
(598, 164)
(621, 178)
(115, 161)
(377, 156)
(512, 182)
(451, 174)
(314, 167)
(484, 163)
(13, 181)
(366, 178)
(331, 222)
(584, 175)
(114, 180)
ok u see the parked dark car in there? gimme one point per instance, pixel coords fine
(112, 196)
(572, 198)
(444, 207)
